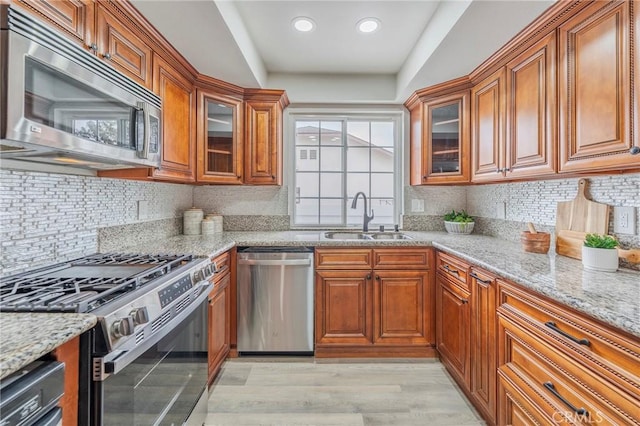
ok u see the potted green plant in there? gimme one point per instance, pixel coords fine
(600, 253)
(458, 222)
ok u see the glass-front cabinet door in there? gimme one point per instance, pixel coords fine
(219, 139)
(446, 140)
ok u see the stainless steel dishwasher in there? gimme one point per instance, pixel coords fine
(275, 300)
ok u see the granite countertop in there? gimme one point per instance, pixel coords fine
(25, 337)
(613, 298)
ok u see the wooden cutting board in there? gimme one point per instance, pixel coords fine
(577, 218)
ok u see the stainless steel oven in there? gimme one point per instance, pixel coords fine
(145, 361)
(61, 105)
(160, 382)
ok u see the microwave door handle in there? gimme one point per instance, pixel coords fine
(144, 107)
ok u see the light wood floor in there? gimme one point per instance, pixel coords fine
(306, 391)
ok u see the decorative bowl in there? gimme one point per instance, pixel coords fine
(459, 227)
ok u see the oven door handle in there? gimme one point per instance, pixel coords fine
(125, 358)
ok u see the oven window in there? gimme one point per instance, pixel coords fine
(56, 100)
(162, 386)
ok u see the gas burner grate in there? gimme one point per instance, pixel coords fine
(84, 284)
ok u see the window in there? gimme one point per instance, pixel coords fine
(338, 157)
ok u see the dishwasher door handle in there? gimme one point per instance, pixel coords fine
(292, 262)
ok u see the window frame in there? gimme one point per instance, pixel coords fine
(327, 114)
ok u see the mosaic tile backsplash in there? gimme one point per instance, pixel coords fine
(47, 218)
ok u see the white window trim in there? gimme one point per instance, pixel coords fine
(292, 113)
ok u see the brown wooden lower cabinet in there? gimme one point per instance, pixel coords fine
(524, 359)
(567, 368)
(453, 329)
(365, 311)
(69, 353)
(219, 324)
(483, 342)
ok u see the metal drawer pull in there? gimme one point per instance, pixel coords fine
(486, 282)
(552, 325)
(552, 389)
(453, 271)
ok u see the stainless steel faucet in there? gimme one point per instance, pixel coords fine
(365, 217)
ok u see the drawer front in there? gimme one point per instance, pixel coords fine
(223, 263)
(453, 268)
(335, 258)
(576, 395)
(517, 408)
(401, 258)
(594, 346)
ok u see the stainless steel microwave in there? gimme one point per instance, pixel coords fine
(61, 105)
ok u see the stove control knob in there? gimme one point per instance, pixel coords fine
(140, 315)
(122, 327)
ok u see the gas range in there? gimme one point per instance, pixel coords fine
(126, 292)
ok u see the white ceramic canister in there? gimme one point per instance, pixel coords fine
(217, 220)
(192, 219)
(208, 227)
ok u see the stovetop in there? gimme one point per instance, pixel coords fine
(85, 284)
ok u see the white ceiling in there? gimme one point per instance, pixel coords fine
(252, 43)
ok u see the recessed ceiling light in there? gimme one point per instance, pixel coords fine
(368, 25)
(303, 24)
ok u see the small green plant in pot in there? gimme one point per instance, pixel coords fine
(458, 222)
(600, 253)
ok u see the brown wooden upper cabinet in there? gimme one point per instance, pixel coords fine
(530, 145)
(596, 91)
(263, 136)
(439, 134)
(98, 27)
(514, 117)
(446, 140)
(121, 46)
(75, 18)
(178, 160)
(488, 127)
(220, 142)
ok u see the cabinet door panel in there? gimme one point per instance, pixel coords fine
(446, 140)
(595, 88)
(452, 328)
(219, 138)
(401, 300)
(487, 127)
(219, 325)
(530, 145)
(343, 307)
(484, 342)
(262, 165)
(178, 123)
(74, 17)
(122, 48)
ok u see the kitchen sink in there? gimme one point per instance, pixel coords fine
(390, 236)
(355, 235)
(343, 235)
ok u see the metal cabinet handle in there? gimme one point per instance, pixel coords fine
(448, 269)
(498, 170)
(107, 56)
(93, 47)
(552, 389)
(368, 276)
(486, 282)
(378, 277)
(634, 150)
(552, 325)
